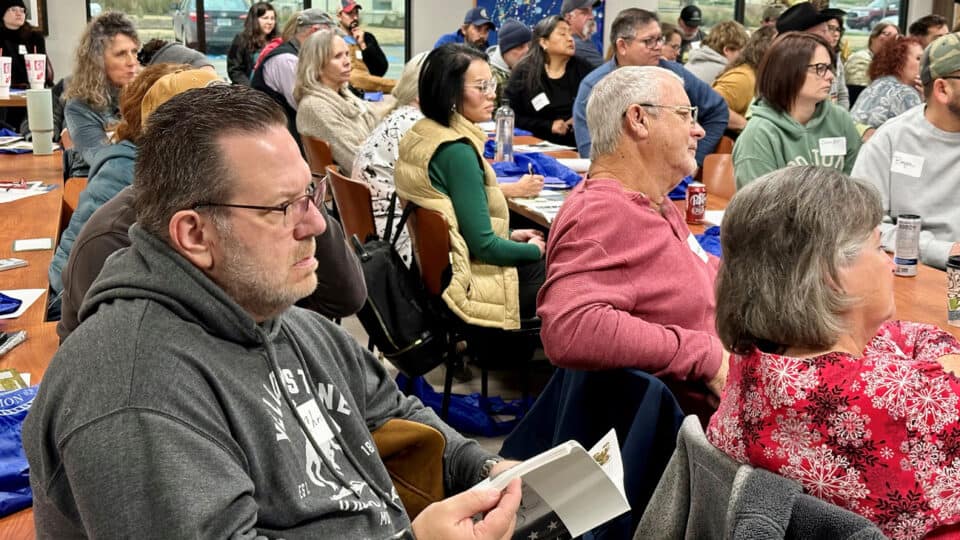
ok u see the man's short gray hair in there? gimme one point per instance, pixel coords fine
(611, 98)
(785, 238)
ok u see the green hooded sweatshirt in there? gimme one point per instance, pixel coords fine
(773, 140)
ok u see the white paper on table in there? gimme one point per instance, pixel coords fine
(579, 165)
(713, 217)
(542, 146)
(36, 188)
(27, 296)
(489, 126)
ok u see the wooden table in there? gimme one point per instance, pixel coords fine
(33, 217)
(19, 100)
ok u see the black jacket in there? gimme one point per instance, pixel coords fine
(257, 81)
(373, 56)
(239, 62)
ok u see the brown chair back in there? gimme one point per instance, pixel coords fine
(353, 202)
(725, 146)
(71, 198)
(718, 175)
(431, 244)
(318, 153)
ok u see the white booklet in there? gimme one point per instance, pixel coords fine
(567, 490)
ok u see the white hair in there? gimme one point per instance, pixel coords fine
(613, 95)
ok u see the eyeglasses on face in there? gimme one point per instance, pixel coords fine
(652, 42)
(485, 87)
(684, 111)
(834, 29)
(294, 210)
(822, 69)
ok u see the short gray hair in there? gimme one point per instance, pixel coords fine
(626, 24)
(315, 52)
(784, 239)
(613, 95)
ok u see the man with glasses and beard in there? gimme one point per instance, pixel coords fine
(912, 158)
(636, 40)
(194, 399)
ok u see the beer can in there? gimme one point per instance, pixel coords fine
(906, 256)
(696, 202)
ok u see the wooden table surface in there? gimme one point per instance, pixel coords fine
(33, 217)
(19, 100)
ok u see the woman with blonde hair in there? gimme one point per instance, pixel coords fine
(106, 61)
(326, 108)
(721, 47)
(737, 83)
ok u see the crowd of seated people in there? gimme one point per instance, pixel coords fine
(203, 252)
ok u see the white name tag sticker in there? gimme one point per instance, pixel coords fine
(696, 248)
(315, 422)
(833, 146)
(22, 49)
(359, 54)
(908, 164)
(540, 101)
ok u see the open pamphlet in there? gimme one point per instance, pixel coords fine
(567, 490)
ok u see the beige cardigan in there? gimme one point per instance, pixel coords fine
(340, 118)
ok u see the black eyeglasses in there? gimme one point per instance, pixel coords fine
(955, 77)
(294, 210)
(822, 69)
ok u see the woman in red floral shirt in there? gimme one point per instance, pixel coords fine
(823, 388)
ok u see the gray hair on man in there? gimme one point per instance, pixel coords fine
(613, 95)
(785, 239)
(626, 23)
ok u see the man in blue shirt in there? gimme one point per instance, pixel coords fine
(474, 31)
(636, 39)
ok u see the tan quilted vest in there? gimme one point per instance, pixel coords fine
(480, 294)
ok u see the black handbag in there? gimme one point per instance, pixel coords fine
(396, 314)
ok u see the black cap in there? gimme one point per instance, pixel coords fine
(800, 18)
(691, 16)
(478, 17)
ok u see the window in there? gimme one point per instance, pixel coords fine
(176, 20)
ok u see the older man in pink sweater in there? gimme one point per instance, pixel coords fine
(628, 286)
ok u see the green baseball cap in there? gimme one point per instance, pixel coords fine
(942, 57)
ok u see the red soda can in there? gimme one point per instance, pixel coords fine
(696, 202)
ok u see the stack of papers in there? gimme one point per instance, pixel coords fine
(33, 188)
(547, 204)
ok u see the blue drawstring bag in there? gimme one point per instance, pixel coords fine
(4, 132)
(15, 491)
(9, 304)
(471, 413)
(555, 174)
(679, 192)
(710, 240)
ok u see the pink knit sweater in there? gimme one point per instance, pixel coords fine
(625, 287)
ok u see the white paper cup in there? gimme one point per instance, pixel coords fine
(36, 69)
(6, 68)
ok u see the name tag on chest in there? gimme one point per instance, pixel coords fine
(833, 146)
(316, 424)
(540, 101)
(22, 49)
(908, 164)
(359, 54)
(696, 248)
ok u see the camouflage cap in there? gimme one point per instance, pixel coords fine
(942, 57)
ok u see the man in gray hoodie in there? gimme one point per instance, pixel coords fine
(194, 400)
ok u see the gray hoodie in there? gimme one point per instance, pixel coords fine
(169, 413)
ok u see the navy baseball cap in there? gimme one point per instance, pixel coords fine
(478, 17)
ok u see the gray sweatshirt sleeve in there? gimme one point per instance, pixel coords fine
(154, 476)
(462, 457)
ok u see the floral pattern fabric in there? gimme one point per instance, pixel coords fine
(878, 435)
(885, 98)
(375, 163)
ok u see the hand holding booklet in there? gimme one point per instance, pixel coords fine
(567, 490)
